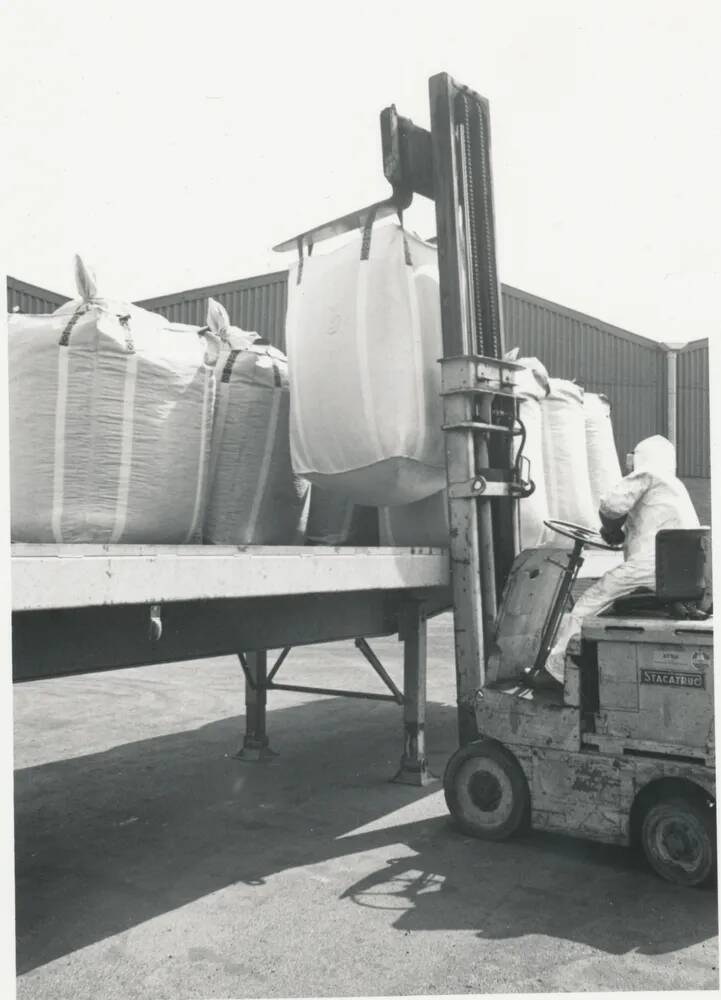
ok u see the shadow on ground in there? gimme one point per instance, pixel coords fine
(562, 888)
(109, 840)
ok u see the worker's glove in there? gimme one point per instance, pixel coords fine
(612, 529)
(613, 536)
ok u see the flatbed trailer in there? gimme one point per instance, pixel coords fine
(86, 608)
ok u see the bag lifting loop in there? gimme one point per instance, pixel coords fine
(65, 336)
(367, 232)
(299, 244)
(125, 323)
(406, 247)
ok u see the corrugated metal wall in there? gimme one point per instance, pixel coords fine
(256, 304)
(693, 417)
(26, 298)
(629, 369)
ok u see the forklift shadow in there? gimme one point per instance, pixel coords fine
(109, 840)
(541, 884)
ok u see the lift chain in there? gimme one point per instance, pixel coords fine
(474, 135)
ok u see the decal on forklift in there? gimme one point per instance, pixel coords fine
(678, 658)
(701, 658)
(672, 678)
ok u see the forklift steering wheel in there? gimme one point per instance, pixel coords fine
(588, 536)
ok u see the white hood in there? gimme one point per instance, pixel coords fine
(656, 455)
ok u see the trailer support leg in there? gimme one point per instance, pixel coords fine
(255, 741)
(414, 768)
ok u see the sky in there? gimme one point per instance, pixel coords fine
(173, 145)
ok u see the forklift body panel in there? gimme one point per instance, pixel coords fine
(592, 795)
(655, 685)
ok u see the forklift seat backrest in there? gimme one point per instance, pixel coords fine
(683, 564)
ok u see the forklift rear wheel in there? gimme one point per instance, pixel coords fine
(486, 791)
(678, 837)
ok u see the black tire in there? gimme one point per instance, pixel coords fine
(486, 791)
(678, 836)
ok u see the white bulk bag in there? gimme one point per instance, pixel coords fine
(532, 385)
(364, 337)
(110, 418)
(604, 469)
(568, 487)
(254, 497)
(335, 520)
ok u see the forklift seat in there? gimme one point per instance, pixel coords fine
(683, 584)
(643, 602)
(638, 602)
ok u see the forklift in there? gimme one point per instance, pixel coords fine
(623, 753)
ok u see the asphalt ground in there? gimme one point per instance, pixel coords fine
(151, 864)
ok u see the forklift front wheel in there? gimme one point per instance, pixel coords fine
(678, 838)
(486, 791)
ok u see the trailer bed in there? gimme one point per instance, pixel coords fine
(82, 608)
(77, 576)
(85, 608)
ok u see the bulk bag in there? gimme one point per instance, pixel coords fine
(421, 524)
(364, 338)
(110, 419)
(604, 469)
(532, 385)
(565, 461)
(254, 496)
(335, 520)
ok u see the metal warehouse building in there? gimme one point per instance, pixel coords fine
(653, 389)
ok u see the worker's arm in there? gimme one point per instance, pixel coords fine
(620, 501)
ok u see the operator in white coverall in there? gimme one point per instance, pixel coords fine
(643, 503)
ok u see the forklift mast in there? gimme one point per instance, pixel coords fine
(451, 164)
